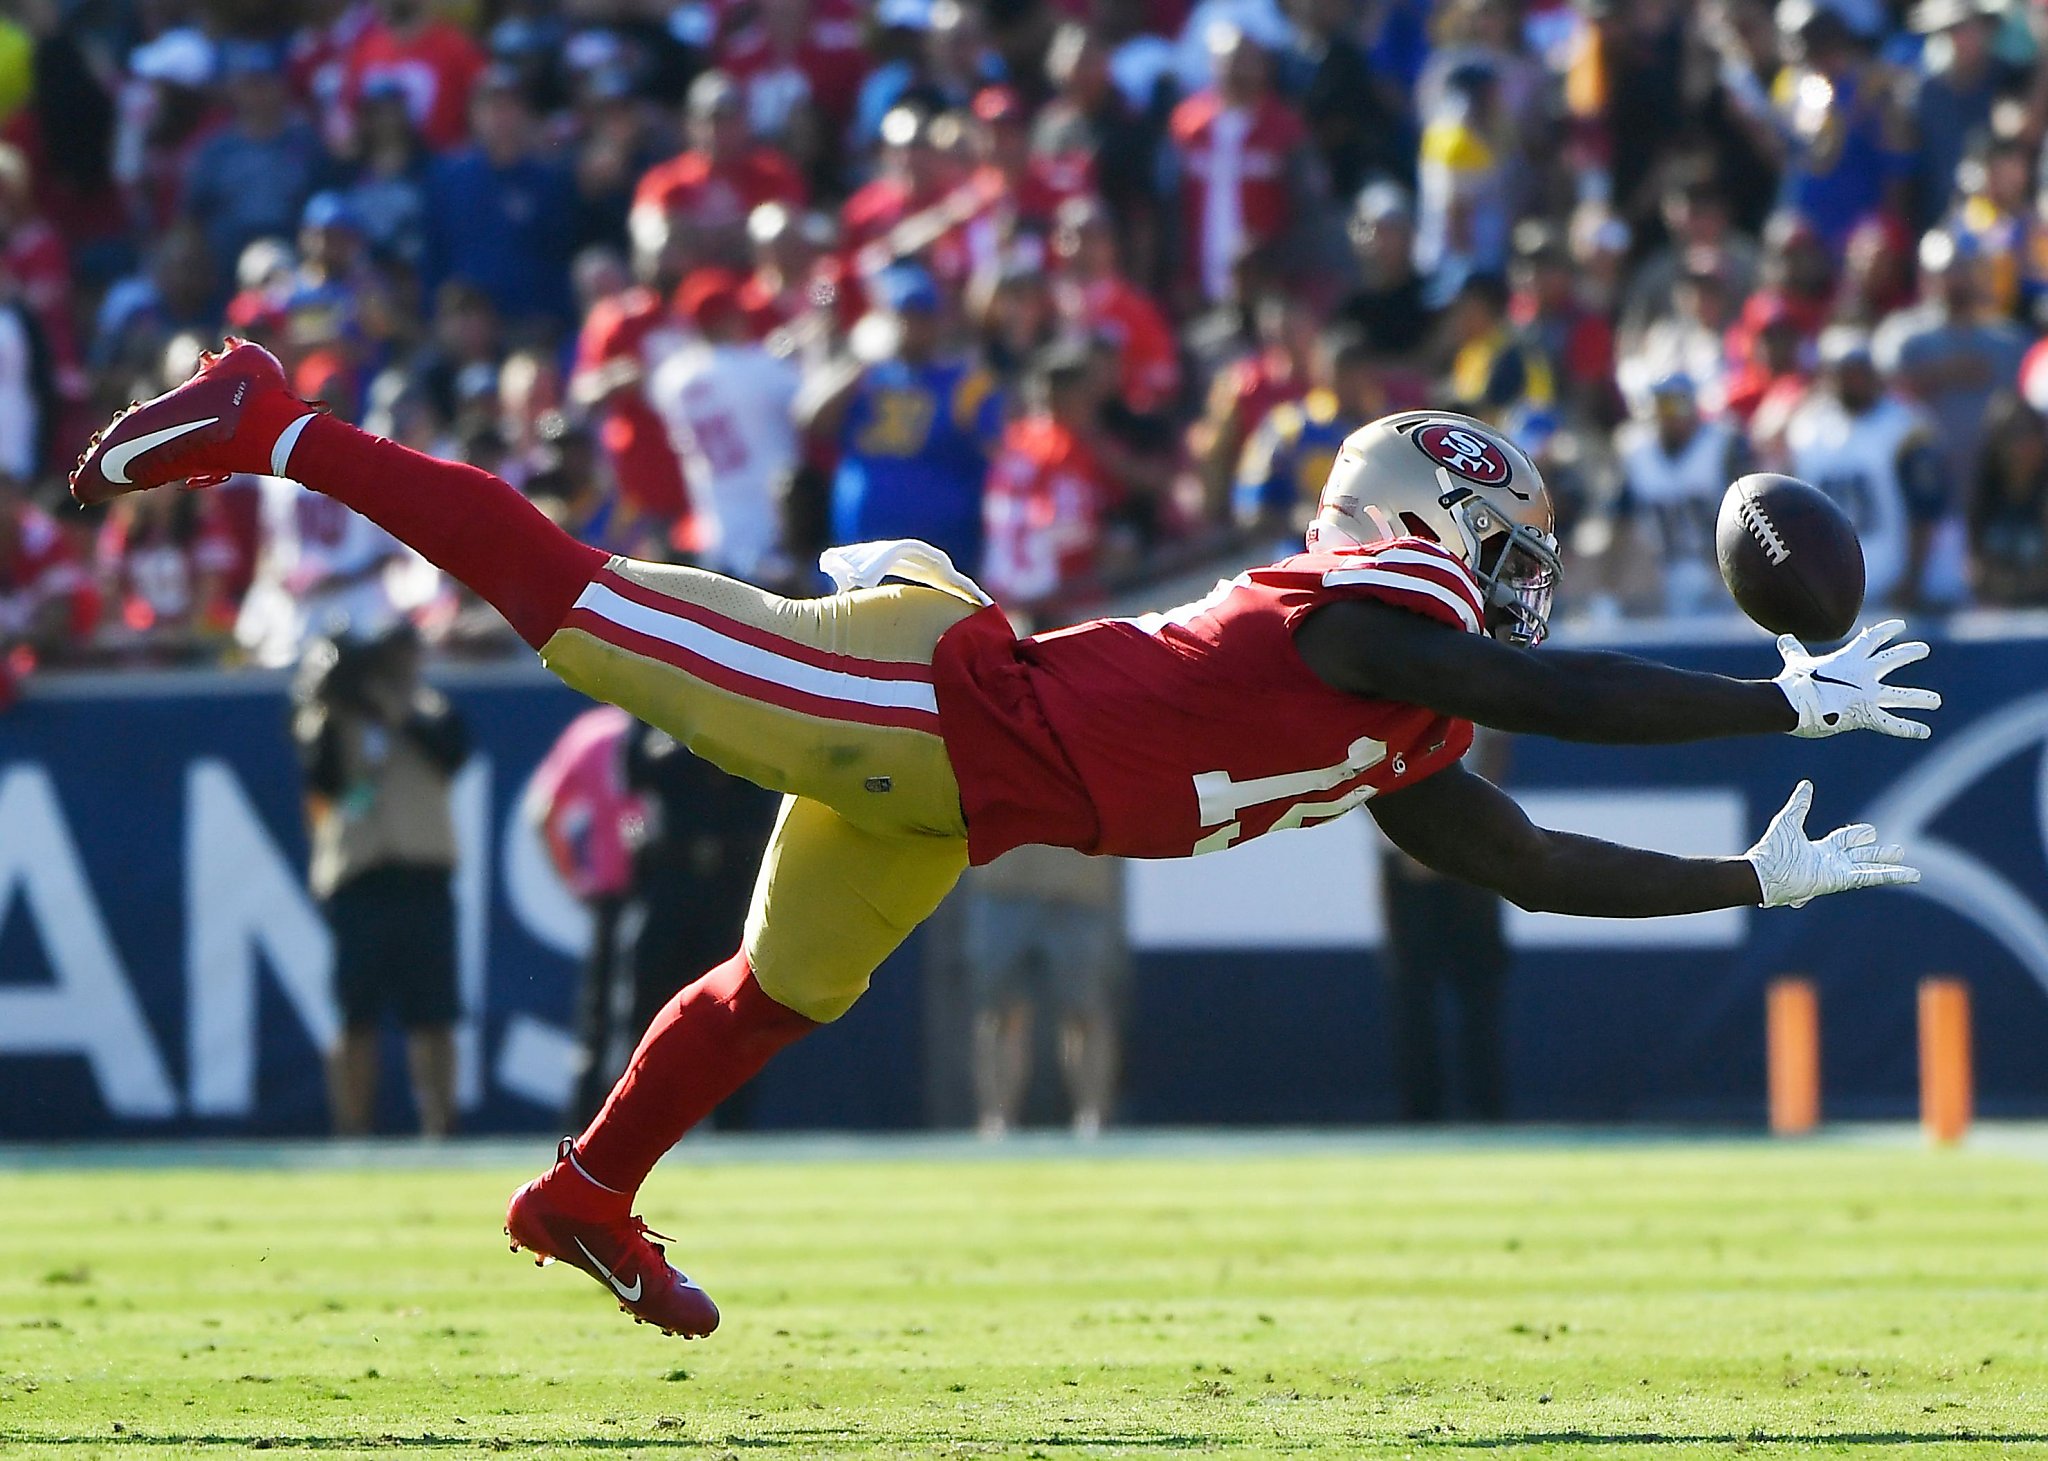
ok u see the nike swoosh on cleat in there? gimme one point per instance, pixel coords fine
(630, 1295)
(115, 463)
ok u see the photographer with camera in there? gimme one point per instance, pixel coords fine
(380, 752)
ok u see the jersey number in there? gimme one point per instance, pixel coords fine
(902, 422)
(1221, 799)
(719, 438)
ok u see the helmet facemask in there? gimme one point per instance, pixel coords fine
(1516, 564)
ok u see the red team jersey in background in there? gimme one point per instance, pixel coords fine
(1196, 729)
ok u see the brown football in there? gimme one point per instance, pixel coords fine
(1790, 557)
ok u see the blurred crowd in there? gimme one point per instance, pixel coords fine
(1083, 291)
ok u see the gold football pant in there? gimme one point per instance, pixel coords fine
(829, 701)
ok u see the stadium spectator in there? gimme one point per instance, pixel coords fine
(1444, 937)
(1050, 497)
(168, 565)
(141, 314)
(1958, 80)
(913, 429)
(1043, 933)
(1290, 455)
(1495, 374)
(1357, 132)
(1548, 311)
(250, 179)
(1877, 274)
(380, 751)
(320, 570)
(1844, 158)
(1687, 340)
(702, 836)
(1697, 224)
(704, 194)
(1676, 465)
(2008, 516)
(385, 181)
(502, 217)
(1465, 208)
(798, 65)
(1878, 456)
(1950, 352)
(1388, 303)
(24, 400)
(32, 255)
(48, 602)
(433, 61)
(1242, 154)
(628, 328)
(1096, 298)
(726, 402)
(590, 824)
(1089, 118)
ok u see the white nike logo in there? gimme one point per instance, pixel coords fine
(115, 463)
(630, 1295)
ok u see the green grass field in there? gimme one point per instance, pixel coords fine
(1528, 1298)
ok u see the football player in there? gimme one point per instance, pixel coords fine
(912, 731)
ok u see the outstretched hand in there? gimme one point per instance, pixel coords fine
(1845, 690)
(1791, 870)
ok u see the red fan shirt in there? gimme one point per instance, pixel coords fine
(1196, 729)
(1042, 510)
(1248, 156)
(1148, 359)
(39, 566)
(689, 187)
(629, 429)
(435, 68)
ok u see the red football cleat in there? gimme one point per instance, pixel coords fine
(224, 420)
(562, 1214)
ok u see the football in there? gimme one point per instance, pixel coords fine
(1790, 557)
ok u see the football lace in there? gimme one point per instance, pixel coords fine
(1764, 530)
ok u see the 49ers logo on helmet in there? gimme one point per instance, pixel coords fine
(1462, 450)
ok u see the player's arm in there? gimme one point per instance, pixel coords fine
(1465, 827)
(1368, 648)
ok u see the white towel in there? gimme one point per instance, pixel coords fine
(865, 565)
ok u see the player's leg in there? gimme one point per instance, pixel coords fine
(830, 699)
(237, 414)
(832, 902)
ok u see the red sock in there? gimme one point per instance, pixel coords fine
(459, 518)
(705, 1044)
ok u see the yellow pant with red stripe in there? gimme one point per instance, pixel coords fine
(829, 701)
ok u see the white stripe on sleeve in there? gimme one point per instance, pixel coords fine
(1414, 583)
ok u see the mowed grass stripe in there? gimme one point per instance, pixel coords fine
(1665, 1301)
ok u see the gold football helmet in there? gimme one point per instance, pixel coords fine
(1436, 474)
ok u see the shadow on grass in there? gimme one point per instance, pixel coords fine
(1731, 1438)
(801, 1441)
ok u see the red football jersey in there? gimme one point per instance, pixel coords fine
(1196, 729)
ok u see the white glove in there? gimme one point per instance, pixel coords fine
(1792, 870)
(1846, 691)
